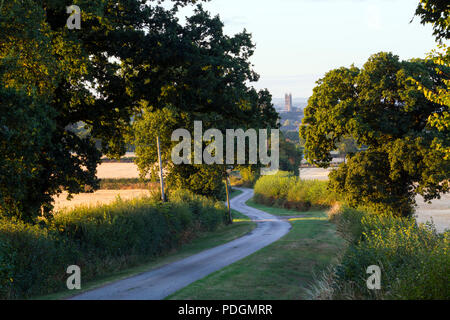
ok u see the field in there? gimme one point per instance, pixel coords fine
(438, 210)
(97, 198)
(117, 170)
(105, 171)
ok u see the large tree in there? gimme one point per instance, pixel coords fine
(126, 50)
(208, 83)
(437, 13)
(291, 156)
(382, 109)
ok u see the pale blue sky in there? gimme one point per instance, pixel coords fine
(297, 41)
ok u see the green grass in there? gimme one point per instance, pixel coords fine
(282, 271)
(281, 211)
(284, 190)
(235, 193)
(238, 216)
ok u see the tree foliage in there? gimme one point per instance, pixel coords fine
(127, 51)
(437, 13)
(209, 84)
(380, 108)
(291, 156)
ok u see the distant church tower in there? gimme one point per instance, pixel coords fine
(288, 102)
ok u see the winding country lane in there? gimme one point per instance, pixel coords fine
(160, 283)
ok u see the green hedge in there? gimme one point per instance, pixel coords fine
(126, 184)
(287, 191)
(34, 259)
(414, 259)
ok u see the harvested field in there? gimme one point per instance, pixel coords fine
(438, 210)
(117, 171)
(97, 198)
(314, 174)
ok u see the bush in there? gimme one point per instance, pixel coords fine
(126, 184)
(33, 259)
(414, 259)
(288, 191)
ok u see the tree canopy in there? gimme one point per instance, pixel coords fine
(437, 13)
(128, 53)
(381, 108)
(211, 86)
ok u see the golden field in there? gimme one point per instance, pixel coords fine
(97, 198)
(104, 171)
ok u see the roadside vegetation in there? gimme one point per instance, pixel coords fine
(126, 184)
(291, 156)
(99, 239)
(414, 259)
(203, 241)
(285, 190)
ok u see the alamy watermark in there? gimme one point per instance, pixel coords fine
(374, 281)
(74, 280)
(214, 151)
(74, 20)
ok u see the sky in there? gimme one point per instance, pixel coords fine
(298, 41)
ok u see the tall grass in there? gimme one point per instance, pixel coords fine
(287, 191)
(414, 259)
(33, 259)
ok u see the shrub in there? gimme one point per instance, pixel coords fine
(34, 258)
(126, 184)
(288, 191)
(249, 176)
(414, 259)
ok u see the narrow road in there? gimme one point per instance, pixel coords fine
(160, 283)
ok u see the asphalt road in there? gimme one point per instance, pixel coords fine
(160, 283)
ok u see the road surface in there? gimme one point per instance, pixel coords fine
(160, 283)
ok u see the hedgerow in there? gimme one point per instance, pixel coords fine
(287, 191)
(414, 259)
(103, 239)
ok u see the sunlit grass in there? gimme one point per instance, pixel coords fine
(282, 271)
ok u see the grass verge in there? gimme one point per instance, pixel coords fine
(282, 271)
(283, 212)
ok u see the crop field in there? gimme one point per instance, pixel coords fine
(438, 210)
(117, 171)
(99, 197)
